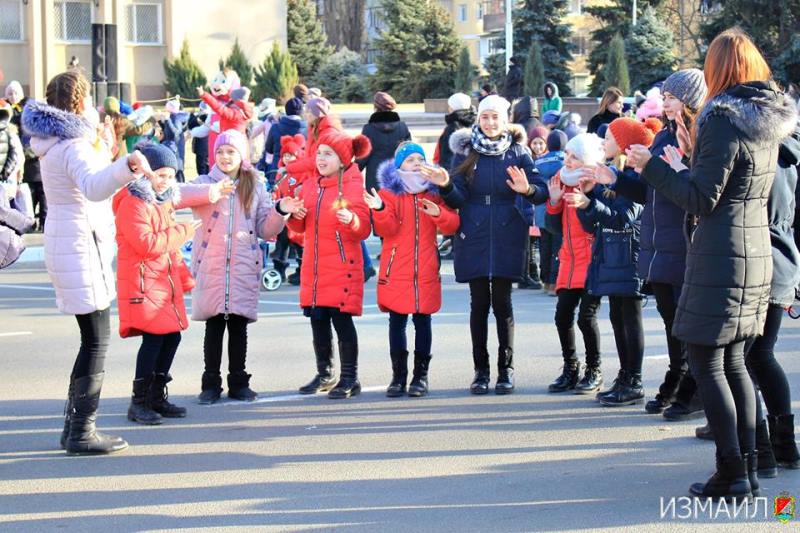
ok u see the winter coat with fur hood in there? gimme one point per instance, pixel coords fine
(575, 254)
(332, 274)
(463, 118)
(729, 263)
(495, 220)
(385, 131)
(79, 180)
(409, 281)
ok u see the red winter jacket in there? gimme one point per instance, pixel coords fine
(287, 185)
(306, 166)
(233, 114)
(575, 254)
(409, 281)
(151, 274)
(332, 274)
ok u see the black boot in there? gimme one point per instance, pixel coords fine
(324, 380)
(767, 467)
(239, 387)
(781, 434)
(140, 410)
(592, 380)
(619, 381)
(687, 404)
(505, 371)
(211, 388)
(751, 460)
(730, 481)
(280, 268)
(480, 383)
(629, 393)
(419, 382)
(67, 416)
(84, 439)
(704, 432)
(666, 393)
(399, 374)
(567, 380)
(348, 380)
(159, 398)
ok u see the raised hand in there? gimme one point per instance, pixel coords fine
(556, 190)
(436, 175)
(430, 208)
(345, 216)
(373, 200)
(577, 199)
(638, 156)
(683, 135)
(138, 165)
(586, 185)
(200, 91)
(291, 205)
(221, 189)
(519, 181)
(300, 214)
(604, 175)
(674, 158)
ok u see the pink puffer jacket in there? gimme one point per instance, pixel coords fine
(226, 258)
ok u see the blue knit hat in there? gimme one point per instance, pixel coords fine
(406, 150)
(159, 156)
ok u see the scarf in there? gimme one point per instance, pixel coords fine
(570, 177)
(413, 182)
(486, 146)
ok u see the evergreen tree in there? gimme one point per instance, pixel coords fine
(465, 72)
(649, 49)
(787, 65)
(615, 71)
(495, 66)
(237, 62)
(417, 51)
(276, 76)
(542, 21)
(534, 71)
(183, 74)
(340, 74)
(614, 18)
(306, 37)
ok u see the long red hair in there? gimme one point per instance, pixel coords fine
(733, 59)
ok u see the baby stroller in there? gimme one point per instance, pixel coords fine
(270, 278)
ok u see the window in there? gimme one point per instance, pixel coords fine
(73, 21)
(575, 6)
(10, 20)
(143, 24)
(479, 14)
(462, 12)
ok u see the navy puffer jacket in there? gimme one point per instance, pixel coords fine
(494, 219)
(781, 212)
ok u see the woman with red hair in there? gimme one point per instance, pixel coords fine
(725, 294)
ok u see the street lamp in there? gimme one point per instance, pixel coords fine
(634, 12)
(509, 33)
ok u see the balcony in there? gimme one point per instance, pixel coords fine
(494, 15)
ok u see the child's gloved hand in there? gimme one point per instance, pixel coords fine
(373, 200)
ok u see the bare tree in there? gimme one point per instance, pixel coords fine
(685, 17)
(344, 23)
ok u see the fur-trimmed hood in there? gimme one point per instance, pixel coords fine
(42, 120)
(390, 179)
(461, 139)
(142, 188)
(757, 109)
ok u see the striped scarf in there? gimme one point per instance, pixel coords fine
(486, 146)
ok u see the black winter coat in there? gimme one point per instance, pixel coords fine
(606, 117)
(386, 131)
(463, 118)
(729, 264)
(781, 212)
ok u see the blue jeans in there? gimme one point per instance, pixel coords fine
(423, 337)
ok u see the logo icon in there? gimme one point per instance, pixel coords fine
(784, 507)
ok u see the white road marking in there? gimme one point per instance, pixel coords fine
(27, 287)
(282, 398)
(15, 333)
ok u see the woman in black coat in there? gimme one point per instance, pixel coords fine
(610, 110)
(725, 295)
(385, 131)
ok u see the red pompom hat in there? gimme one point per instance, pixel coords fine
(628, 131)
(345, 146)
(292, 144)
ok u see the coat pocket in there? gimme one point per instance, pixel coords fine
(391, 261)
(341, 247)
(617, 250)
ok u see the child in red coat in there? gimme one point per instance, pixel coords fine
(407, 213)
(335, 220)
(286, 184)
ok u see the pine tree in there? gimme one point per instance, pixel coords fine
(237, 62)
(534, 71)
(306, 37)
(787, 65)
(542, 21)
(614, 18)
(339, 74)
(615, 70)
(465, 72)
(183, 74)
(276, 76)
(649, 49)
(495, 65)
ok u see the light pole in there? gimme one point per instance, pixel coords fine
(509, 34)
(634, 12)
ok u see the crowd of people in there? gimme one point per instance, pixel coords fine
(691, 200)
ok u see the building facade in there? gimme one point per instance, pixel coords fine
(38, 38)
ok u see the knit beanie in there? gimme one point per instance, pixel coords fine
(173, 106)
(405, 150)
(14, 89)
(314, 92)
(551, 118)
(345, 146)
(556, 141)
(459, 101)
(688, 86)
(539, 132)
(587, 147)
(496, 103)
(238, 141)
(601, 130)
(384, 101)
(319, 107)
(111, 105)
(628, 131)
(159, 156)
(294, 107)
(291, 144)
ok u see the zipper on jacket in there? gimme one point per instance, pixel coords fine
(341, 246)
(391, 260)
(569, 246)
(141, 277)
(416, 255)
(320, 193)
(491, 223)
(100, 257)
(653, 258)
(231, 206)
(172, 286)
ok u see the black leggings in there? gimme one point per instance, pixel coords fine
(321, 320)
(237, 343)
(728, 395)
(156, 353)
(568, 301)
(625, 313)
(549, 245)
(766, 371)
(95, 333)
(423, 336)
(494, 293)
(667, 303)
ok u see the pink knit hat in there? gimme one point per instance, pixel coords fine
(237, 140)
